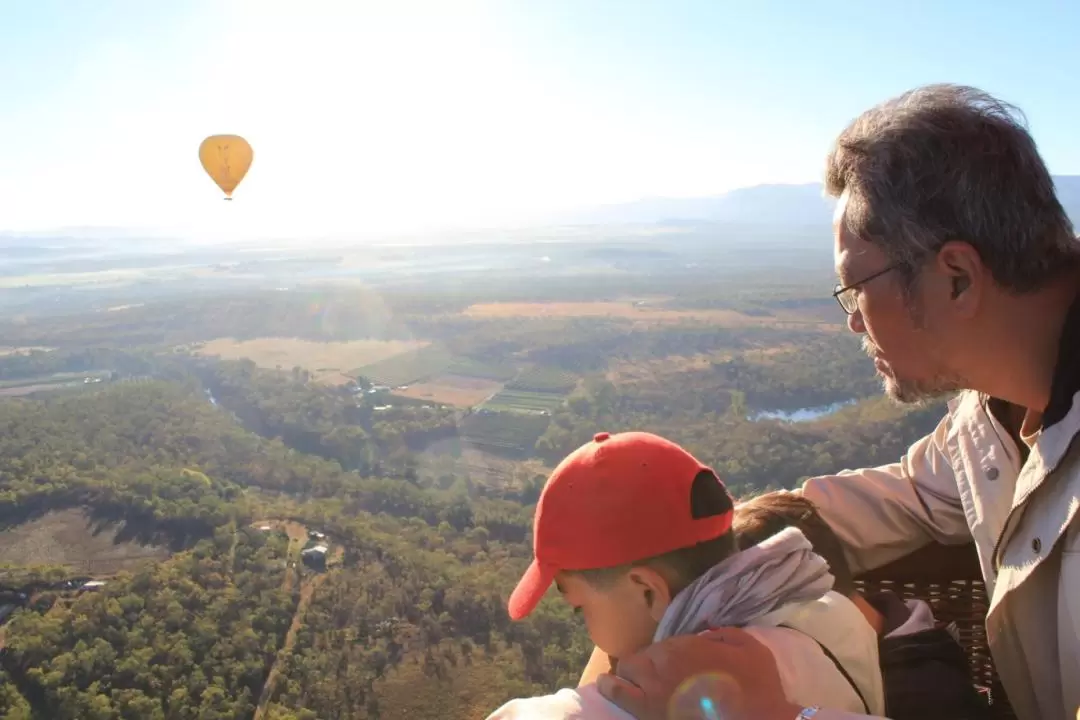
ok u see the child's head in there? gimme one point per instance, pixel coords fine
(623, 524)
(765, 515)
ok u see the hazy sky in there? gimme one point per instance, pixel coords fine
(372, 114)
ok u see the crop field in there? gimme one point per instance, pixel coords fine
(525, 401)
(410, 367)
(70, 538)
(328, 362)
(503, 433)
(544, 380)
(456, 390)
(477, 369)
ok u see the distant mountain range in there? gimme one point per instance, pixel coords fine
(765, 205)
(768, 207)
(75, 237)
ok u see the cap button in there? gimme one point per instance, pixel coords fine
(601, 436)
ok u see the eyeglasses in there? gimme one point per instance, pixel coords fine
(847, 299)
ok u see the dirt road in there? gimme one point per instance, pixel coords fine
(309, 582)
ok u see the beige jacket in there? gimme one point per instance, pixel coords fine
(968, 479)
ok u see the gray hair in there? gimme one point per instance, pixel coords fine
(949, 162)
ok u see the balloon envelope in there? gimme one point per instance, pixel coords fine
(226, 159)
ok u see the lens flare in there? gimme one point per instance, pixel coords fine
(709, 696)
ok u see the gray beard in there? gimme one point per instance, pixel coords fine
(915, 392)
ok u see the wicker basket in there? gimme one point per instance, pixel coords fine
(950, 580)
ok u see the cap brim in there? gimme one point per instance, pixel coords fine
(529, 591)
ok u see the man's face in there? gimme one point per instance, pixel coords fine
(903, 336)
(618, 617)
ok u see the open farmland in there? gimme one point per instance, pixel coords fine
(544, 380)
(669, 367)
(47, 383)
(35, 388)
(634, 311)
(414, 366)
(328, 362)
(503, 433)
(630, 371)
(477, 369)
(70, 538)
(525, 401)
(456, 390)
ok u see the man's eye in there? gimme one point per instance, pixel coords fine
(577, 610)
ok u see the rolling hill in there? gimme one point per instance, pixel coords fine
(802, 205)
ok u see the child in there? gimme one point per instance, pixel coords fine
(925, 670)
(636, 535)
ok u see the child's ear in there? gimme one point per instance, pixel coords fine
(654, 589)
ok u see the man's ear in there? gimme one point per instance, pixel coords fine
(962, 270)
(655, 592)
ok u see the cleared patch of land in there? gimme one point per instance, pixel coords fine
(453, 390)
(629, 371)
(69, 537)
(328, 362)
(56, 381)
(629, 311)
(31, 389)
(476, 462)
(652, 369)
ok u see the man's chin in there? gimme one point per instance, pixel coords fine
(897, 392)
(904, 393)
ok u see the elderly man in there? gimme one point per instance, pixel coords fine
(959, 267)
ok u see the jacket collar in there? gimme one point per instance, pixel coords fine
(1066, 382)
(1064, 385)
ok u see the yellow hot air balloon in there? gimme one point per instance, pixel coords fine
(226, 159)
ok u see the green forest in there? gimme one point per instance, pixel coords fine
(426, 507)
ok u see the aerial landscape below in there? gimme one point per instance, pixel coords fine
(305, 308)
(309, 477)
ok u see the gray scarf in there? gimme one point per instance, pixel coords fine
(780, 570)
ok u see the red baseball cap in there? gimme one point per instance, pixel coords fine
(617, 500)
